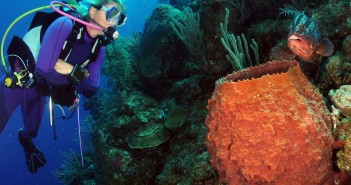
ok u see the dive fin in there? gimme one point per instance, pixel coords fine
(325, 48)
(34, 157)
(35, 160)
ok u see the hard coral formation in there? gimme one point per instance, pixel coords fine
(332, 20)
(176, 117)
(344, 158)
(342, 133)
(269, 125)
(337, 72)
(341, 99)
(148, 136)
(119, 61)
(161, 52)
(346, 46)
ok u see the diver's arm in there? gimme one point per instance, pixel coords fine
(66, 68)
(90, 82)
(52, 44)
(63, 67)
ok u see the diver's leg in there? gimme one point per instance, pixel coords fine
(10, 98)
(32, 112)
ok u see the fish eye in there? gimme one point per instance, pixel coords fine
(302, 27)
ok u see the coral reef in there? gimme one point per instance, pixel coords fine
(119, 63)
(346, 47)
(180, 4)
(332, 21)
(188, 30)
(188, 162)
(341, 99)
(160, 56)
(149, 123)
(176, 117)
(149, 136)
(237, 47)
(72, 171)
(337, 73)
(342, 147)
(263, 121)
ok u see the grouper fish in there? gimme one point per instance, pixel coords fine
(303, 41)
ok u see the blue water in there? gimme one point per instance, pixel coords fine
(13, 170)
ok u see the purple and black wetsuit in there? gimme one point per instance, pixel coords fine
(32, 103)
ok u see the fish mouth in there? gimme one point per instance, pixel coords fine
(295, 37)
(299, 45)
(301, 38)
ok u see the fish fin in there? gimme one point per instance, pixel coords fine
(325, 48)
(281, 53)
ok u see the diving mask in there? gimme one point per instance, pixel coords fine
(114, 15)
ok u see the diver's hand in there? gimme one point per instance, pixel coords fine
(63, 67)
(86, 73)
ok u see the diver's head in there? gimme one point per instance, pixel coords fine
(84, 5)
(104, 13)
(111, 13)
(120, 3)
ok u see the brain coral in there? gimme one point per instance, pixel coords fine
(269, 125)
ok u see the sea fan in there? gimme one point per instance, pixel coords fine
(288, 10)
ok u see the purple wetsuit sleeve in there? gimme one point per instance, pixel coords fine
(89, 86)
(52, 44)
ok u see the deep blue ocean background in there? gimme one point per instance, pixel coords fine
(13, 170)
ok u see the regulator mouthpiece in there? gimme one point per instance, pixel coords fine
(111, 33)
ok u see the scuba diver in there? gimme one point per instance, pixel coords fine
(68, 63)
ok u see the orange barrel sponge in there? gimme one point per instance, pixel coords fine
(269, 125)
